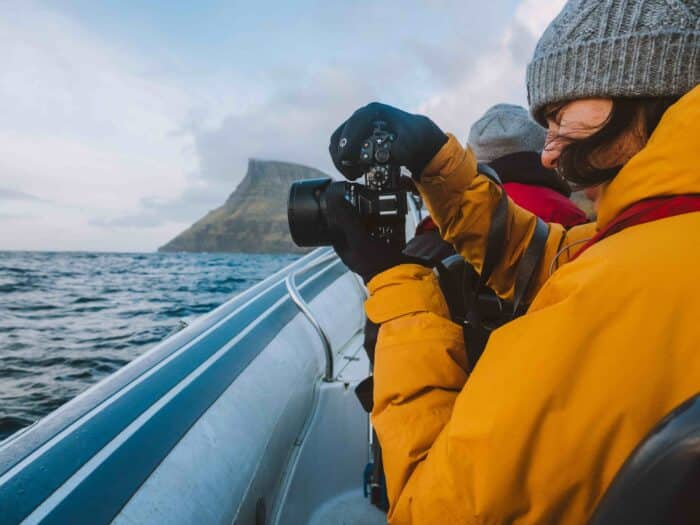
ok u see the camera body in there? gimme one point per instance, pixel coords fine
(380, 203)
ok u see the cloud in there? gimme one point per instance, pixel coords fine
(125, 152)
(292, 125)
(452, 77)
(497, 75)
(294, 122)
(14, 195)
(182, 210)
(85, 126)
(7, 216)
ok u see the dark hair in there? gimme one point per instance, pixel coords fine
(575, 160)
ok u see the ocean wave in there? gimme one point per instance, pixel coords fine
(11, 424)
(70, 319)
(14, 372)
(84, 300)
(15, 270)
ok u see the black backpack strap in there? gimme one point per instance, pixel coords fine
(375, 482)
(451, 271)
(365, 393)
(495, 242)
(488, 171)
(475, 335)
(474, 289)
(529, 262)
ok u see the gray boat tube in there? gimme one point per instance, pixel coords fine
(239, 417)
(102, 446)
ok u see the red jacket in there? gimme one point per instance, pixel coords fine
(547, 204)
(537, 189)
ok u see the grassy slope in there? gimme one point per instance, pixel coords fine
(253, 219)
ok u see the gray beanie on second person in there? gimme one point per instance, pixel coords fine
(505, 129)
(608, 48)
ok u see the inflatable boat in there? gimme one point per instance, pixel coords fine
(249, 416)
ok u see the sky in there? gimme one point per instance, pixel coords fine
(123, 121)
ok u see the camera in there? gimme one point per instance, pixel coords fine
(380, 202)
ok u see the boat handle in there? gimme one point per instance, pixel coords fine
(303, 306)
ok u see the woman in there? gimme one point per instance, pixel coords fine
(538, 429)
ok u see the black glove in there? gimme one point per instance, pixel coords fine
(429, 248)
(417, 141)
(364, 255)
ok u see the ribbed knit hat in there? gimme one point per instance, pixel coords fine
(505, 129)
(607, 48)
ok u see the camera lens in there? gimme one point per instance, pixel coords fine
(306, 213)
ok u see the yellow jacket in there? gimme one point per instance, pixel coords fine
(561, 396)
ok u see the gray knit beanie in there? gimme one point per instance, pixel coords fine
(505, 129)
(607, 48)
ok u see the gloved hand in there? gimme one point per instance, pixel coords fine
(428, 248)
(417, 141)
(361, 253)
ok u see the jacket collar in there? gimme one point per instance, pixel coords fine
(667, 165)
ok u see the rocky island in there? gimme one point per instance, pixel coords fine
(253, 219)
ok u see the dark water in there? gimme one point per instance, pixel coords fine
(69, 319)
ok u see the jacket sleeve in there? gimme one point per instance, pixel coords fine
(461, 202)
(421, 369)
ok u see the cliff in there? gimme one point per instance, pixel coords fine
(253, 219)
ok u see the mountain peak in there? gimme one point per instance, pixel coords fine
(253, 218)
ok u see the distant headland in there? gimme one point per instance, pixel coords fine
(253, 219)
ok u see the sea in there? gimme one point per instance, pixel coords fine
(69, 319)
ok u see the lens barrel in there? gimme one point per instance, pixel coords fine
(306, 213)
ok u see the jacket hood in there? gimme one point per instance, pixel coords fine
(667, 165)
